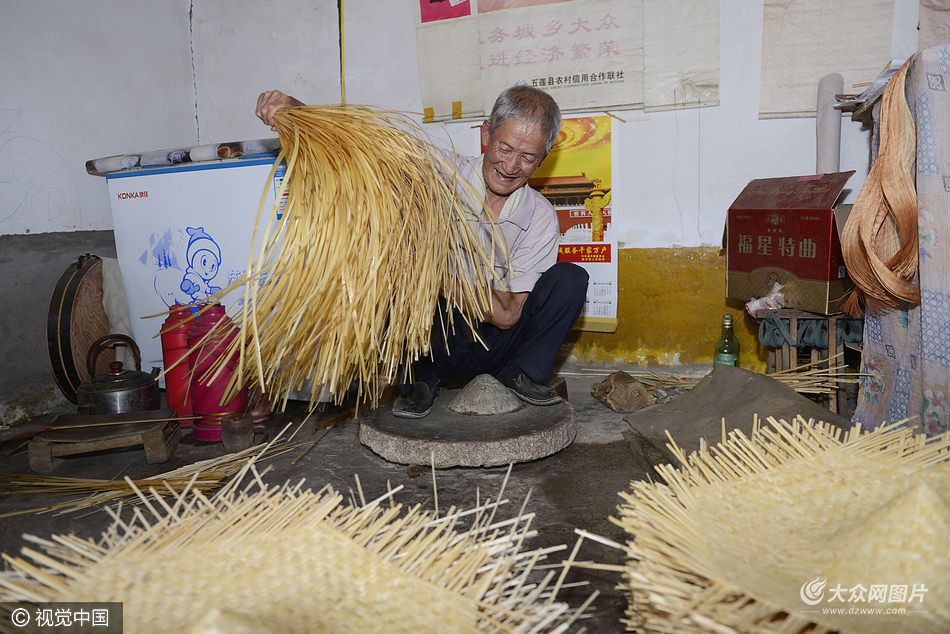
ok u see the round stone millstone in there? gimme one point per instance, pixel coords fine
(483, 396)
(463, 440)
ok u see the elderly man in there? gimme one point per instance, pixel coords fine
(539, 300)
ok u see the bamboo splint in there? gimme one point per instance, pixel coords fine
(204, 476)
(345, 284)
(805, 379)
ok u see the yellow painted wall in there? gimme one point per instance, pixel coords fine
(671, 303)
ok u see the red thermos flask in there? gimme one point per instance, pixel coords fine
(175, 348)
(207, 393)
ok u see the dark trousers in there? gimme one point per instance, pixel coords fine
(532, 344)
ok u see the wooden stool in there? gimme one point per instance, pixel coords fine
(786, 357)
(160, 439)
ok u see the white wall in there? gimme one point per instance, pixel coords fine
(243, 47)
(84, 79)
(79, 80)
(91, 78)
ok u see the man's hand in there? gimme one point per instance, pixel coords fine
(270, 102)
(505, 308)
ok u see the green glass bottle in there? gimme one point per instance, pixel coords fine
(727, 348)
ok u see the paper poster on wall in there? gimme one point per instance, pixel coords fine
(803, 41)
(434, 10)
(588, 54)
(575, 178)
(485, 6)
(581, 52)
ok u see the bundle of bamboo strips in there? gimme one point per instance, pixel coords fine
(730, 543)
(300, 561)
(345, 285)
(880, 242)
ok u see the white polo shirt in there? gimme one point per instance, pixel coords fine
(529, 225)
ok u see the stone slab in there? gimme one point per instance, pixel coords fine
(458, 440)
(734, 394)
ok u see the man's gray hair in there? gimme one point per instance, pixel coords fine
(530, 105)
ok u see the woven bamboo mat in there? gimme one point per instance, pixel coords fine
(772, 532)
(302, 561)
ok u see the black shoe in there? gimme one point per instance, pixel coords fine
(417, 403)
(527, 390)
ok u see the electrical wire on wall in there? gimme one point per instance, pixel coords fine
(342, 73)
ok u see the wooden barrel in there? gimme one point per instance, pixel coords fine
(75, 320)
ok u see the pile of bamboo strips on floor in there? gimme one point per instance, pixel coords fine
(805, 379)
(345, 285)
(808, 379)
(745, 532)
(293, 560)
(204, 476)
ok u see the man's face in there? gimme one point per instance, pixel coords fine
(512, 154)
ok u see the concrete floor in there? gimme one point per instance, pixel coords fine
(576, 488)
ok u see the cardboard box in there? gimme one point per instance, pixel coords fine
(785, 230)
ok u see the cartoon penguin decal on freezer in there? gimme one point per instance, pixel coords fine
(204, 259)
(193, 250)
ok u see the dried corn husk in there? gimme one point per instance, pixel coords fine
(730, 543)
(345, 285)
(879, 241)
(301, 561)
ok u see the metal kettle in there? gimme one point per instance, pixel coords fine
(118, 391)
